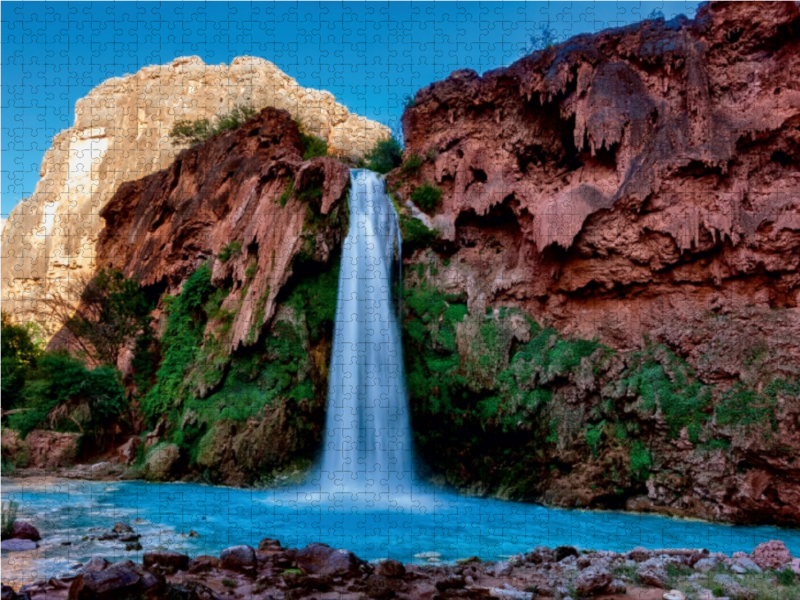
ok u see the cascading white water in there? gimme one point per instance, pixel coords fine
(367, 447)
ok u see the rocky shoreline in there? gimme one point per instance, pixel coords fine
(318, 571)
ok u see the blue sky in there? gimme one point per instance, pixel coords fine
(369, 55)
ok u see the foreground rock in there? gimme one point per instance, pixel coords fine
(319, 571)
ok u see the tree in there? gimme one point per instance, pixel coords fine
(545, 38)
(19, 354)
(385, 156)
(113, 309)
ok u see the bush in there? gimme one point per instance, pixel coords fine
(287, 192)
(229, 250)
(415, 234)
(194, 132)
(412, 163)
(427, 197)
(17, 358)
(9, 515)
(314, 146)
(386, 156)
(786, 576)
(62, 392)
(640, 461)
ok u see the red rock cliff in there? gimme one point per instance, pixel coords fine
(228, 189)
(643, 180)
(640, 186)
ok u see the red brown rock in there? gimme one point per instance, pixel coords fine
(631, 182)
(639, 184)
(51, 449)
(227, 189)
(771, 555)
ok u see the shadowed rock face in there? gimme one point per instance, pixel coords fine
(635, 186)
(163, 227)
(627, 183)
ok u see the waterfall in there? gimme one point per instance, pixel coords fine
(367, 447)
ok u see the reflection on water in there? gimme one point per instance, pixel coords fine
(396, 526)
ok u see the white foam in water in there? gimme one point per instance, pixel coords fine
(367, 448)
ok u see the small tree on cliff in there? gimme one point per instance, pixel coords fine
(113, 309)
(193, 132)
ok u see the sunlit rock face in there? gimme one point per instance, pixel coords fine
(121, 134)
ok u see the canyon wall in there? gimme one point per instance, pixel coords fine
(635, 194)
(121, 134)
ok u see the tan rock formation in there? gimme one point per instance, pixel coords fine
(121, 134)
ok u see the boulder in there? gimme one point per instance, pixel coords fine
(653, 572)
(640, 554)
(49, 449)
(161, 462)
(500, 569)
(674, 595)
(592, 580)
(771, 555)
(269, 544)
(451, 582)
(238, 558)
(379, 588)
(128, 452)
(540, 555)
(320, 559)
(165, 562)
(562, 552)
(7, 593)
(743, 564)
(116, 582)
(96, 564)
(393, 569)
(733, 588)
(704, 565)
(14, 545)
(22, 530)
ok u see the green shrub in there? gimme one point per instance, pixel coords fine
(786, 576)
(427, 197)
(251, 270)
(640, 461)
(287, 192)
(194, 132)
(233, 248)
(661, 378)
(415, 234)
(594, 434)
(9, 515)
(386, 156)
(62, 393)
(412, 163)
(180, 341)
(314, 146)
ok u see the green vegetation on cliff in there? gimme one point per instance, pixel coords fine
(526, 406)
(194, 132)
